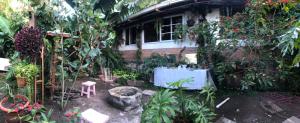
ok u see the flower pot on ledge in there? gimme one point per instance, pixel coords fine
(21, 81)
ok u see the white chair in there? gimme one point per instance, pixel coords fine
(87, 88)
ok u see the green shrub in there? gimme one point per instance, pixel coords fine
(167, 106)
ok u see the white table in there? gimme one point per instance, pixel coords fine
(200, 77)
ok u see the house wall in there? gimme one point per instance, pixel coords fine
(167, 47)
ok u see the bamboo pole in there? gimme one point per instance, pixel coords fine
(43, 74)
(62, 71)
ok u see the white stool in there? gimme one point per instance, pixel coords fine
(92, 116)
(90, 87)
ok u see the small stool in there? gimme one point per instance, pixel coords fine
(90, 87)
(92, 116)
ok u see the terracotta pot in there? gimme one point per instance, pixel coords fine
(7, 110)
(13, 117)
(21, 81)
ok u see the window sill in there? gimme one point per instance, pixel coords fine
(159, 42)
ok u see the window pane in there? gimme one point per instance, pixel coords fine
(174, 27)
(127, 37)
(133, 34)
(151, 32)
(174, 37)
(166, 36)
(166, 21)
(166, 29)
(177, 19)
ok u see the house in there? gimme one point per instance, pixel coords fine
(154, 27)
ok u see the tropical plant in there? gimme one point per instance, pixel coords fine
(209, 96)
(33, 112)
(73, 115)
(45, 118)
(184, 108)
(161, 108)
(5, 37)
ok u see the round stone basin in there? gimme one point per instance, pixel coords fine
(125, 97)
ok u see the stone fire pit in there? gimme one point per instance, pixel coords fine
(125, 97)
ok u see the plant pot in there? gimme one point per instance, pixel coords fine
(21, 81)
(13, 117)
(7, 110)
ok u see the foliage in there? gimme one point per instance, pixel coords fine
(26, 70)
(73, 115)
(33, 111)
(45, 118)
(125, 75)
(118, 10)
(156, 60)
(110, 58)
(184, 108)
(249, 40)
(210, 96)
(290, 42)
(5, 26)
(8, 27)
(90, 34)
(29, 71)
(28, 42)
(161, 108)
(128, 75)
(199, 111)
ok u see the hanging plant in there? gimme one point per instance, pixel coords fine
(28, 42)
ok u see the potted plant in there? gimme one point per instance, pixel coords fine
(25, 73)
(14, 107)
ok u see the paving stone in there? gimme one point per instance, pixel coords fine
(270, 107)
(292, 119)
(224, 120)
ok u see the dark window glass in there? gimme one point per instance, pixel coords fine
(166, 36)
(133, 35)
(166, 21)
(127, 36)
(166, 29)
(177, 19)
(151, 32)
(174, 28)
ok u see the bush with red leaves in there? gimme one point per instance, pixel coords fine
(28, 41)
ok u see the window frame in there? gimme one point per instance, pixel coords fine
(171, 27)
(130, 38)
(160, 28)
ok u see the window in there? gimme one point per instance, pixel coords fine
(151, 32)
(127, 42)
(168, 27)
(131, 35)
(230, 11)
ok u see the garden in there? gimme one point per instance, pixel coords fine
(65, 65)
